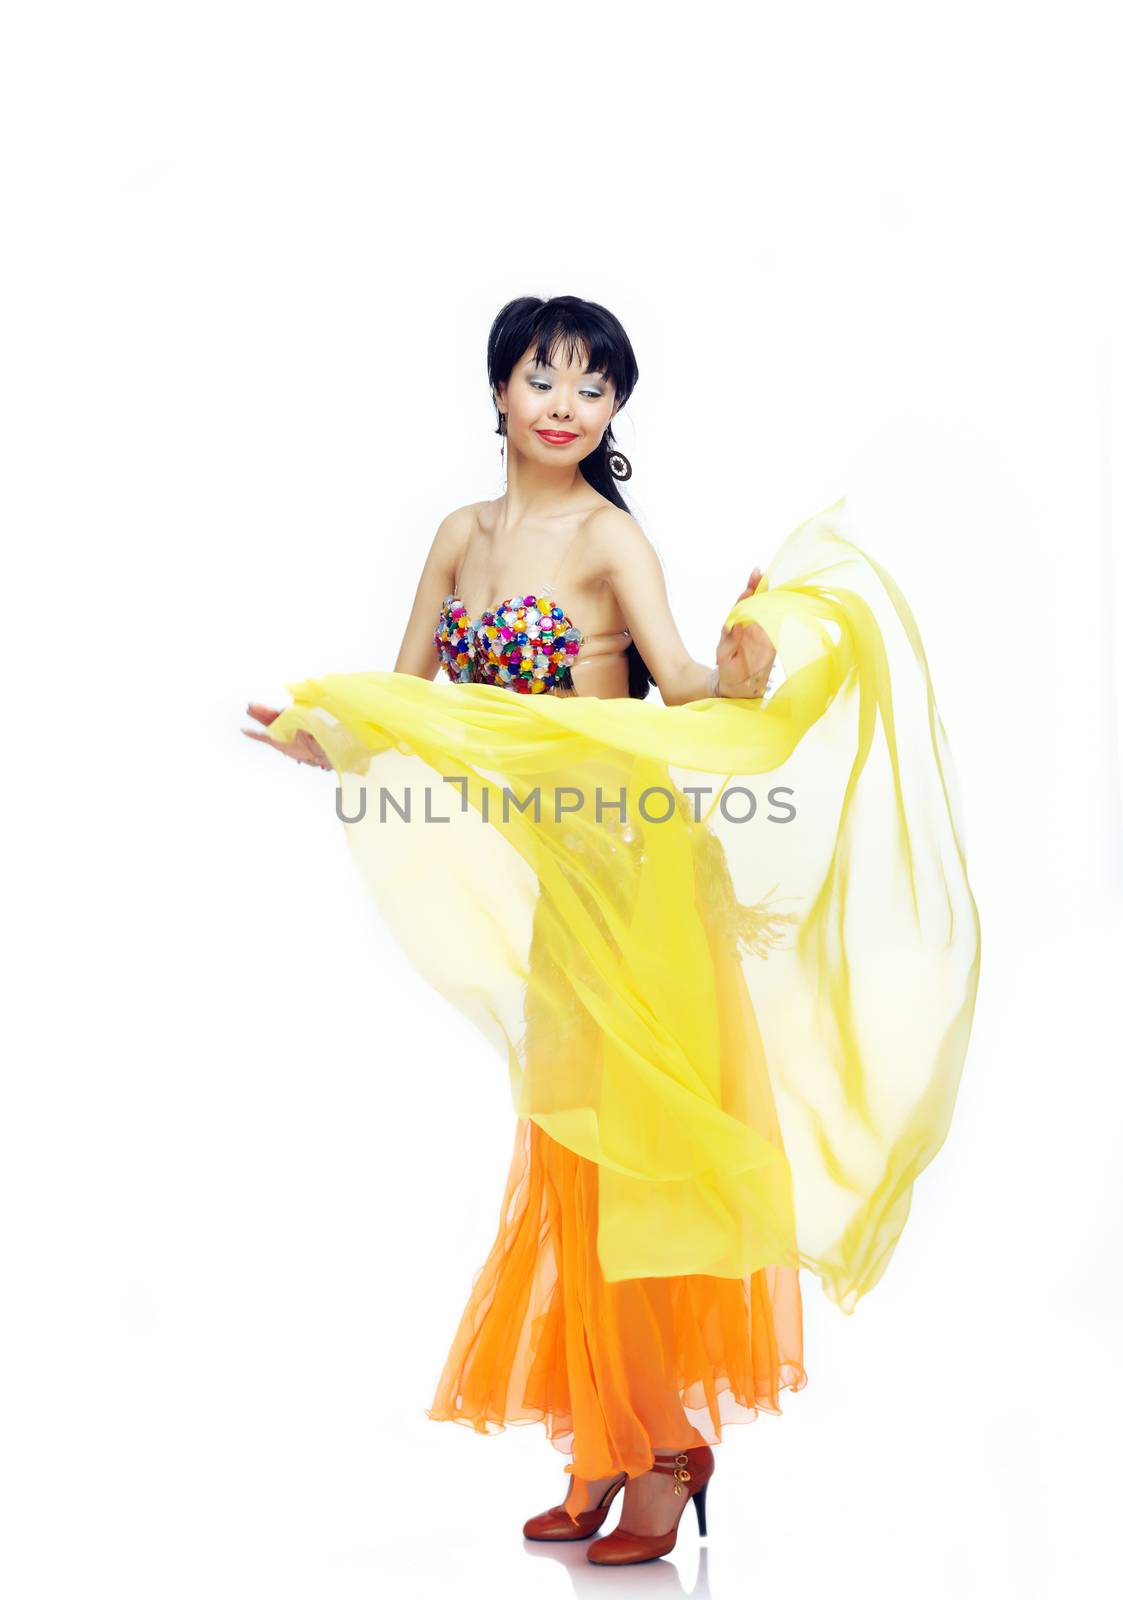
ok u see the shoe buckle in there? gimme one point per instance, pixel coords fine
(682, 1474)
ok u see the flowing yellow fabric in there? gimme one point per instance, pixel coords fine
(728, 949)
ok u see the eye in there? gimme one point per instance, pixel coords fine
(537, 383)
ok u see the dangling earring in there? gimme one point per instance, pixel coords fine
(503, 441)
(619, 465)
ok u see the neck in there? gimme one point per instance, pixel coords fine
(535, 489)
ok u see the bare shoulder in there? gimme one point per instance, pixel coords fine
(453, 533)
(455, 528)
(614, 535)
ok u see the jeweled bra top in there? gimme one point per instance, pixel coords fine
(525, 643)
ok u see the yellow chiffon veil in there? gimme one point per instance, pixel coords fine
(728, 950)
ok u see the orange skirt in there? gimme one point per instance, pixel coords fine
(615, 1371)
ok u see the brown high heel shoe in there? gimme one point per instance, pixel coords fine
(692, 1470)
(558, 1523)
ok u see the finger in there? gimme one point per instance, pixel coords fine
(267, 738)
(311, 748)
(262, 713)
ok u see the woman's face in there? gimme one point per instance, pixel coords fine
(543, 401)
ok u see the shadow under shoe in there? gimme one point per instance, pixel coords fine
(692, 1470)
(558, 1523)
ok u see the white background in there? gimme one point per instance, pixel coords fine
(249, 1163)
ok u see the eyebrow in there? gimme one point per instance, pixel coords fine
(589, 372)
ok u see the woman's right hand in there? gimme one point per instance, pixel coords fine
(303, 748)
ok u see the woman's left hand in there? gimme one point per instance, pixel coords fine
(745, 654)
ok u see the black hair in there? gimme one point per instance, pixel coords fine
(566, 323)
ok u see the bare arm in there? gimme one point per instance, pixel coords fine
(631, 565)
(418, 655)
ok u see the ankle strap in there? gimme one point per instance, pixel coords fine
(677, 1465)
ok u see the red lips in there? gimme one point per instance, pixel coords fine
(552, 436)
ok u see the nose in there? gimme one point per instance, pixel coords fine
(561, 408)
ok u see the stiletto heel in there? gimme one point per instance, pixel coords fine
(700, 1508)
(621, 1548)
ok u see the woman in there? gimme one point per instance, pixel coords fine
(643, 1286)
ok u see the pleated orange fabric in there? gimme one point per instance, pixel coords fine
(615, 1371)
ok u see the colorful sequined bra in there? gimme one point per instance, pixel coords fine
(526, 643)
